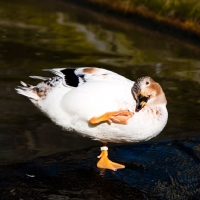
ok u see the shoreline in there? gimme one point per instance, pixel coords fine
(189, 31)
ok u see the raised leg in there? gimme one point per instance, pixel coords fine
(120, 117)
(105, 163)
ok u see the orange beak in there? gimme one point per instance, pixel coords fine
(141, 100)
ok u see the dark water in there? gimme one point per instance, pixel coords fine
(36, 35)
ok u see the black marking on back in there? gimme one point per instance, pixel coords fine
(52, 81)
(71, 78)
(82, 76)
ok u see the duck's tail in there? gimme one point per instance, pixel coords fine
(28, 91)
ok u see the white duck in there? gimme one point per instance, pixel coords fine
(102, 105)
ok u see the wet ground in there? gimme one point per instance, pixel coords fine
(41, 161)
(160, 170)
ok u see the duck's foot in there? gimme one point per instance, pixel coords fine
(120, 117)
(105, 163)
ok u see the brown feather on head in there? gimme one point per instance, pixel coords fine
(144, 89)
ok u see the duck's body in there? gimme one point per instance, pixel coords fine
(75, 96)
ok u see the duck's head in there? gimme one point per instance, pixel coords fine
(147, 92)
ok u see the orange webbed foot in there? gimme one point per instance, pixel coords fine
(120, 117)
(105, 163)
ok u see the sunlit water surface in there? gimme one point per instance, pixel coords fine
(36, 35)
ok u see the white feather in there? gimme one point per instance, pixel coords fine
(100, 91)
(39, 77)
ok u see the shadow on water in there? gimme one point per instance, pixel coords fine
(40, 160)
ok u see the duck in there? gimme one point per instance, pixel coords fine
(102, 105)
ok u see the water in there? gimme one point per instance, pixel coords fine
(36, 35)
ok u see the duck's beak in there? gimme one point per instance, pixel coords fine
(141, 99)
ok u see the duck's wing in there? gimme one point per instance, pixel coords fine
(75, 77)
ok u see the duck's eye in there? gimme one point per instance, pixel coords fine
(147, 83)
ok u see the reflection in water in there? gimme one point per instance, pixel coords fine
(190, 75)
(22, 25)
(102, 40)
(38, 34)
(90, 36)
